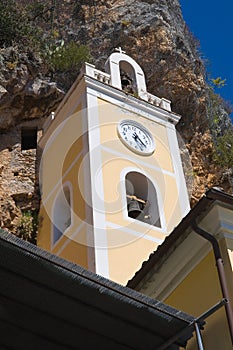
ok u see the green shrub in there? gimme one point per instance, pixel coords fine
(224, 149)
(9, 22)
(37, 10)
(218, 82)
(220, 125)
(27, 227)
(14, 25)
(67, 57)
(32, 28)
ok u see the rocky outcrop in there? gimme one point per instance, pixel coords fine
(25, 94)
(18, 192)
(154, 33)
(26, 99)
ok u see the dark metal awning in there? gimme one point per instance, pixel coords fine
(49, 303)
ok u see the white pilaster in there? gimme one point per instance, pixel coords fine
(97, 189)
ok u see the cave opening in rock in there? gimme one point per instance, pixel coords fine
(28, 138)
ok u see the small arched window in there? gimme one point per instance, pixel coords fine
(142, 201)
(61, 214)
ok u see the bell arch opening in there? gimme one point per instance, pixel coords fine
(61, 213)
(128, 77)
(142, 200)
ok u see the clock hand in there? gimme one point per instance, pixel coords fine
(140, 143)
(136, 137)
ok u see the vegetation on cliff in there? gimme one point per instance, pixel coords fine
(33, 29)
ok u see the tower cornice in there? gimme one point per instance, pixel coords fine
(129, 100)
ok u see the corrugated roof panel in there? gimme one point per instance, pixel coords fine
(46, 299)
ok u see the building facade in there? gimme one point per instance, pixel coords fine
(193, 268)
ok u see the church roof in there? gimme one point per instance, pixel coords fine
(49, 303)
(213, 195)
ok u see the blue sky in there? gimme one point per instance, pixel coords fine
(211, 23)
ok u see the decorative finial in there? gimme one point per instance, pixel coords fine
(119, 49)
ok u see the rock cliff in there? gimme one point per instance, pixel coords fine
(154, 33)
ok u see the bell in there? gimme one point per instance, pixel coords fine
(134, 209)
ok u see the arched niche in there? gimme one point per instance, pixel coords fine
(142, 201)
(119, 63)
(61, 213)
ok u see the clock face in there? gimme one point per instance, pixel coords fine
(136, 137)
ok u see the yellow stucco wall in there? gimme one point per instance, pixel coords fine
(127, 254)
(197, 293)
(62, 163)
(109, 117)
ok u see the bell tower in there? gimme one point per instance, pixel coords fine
(112, 183)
